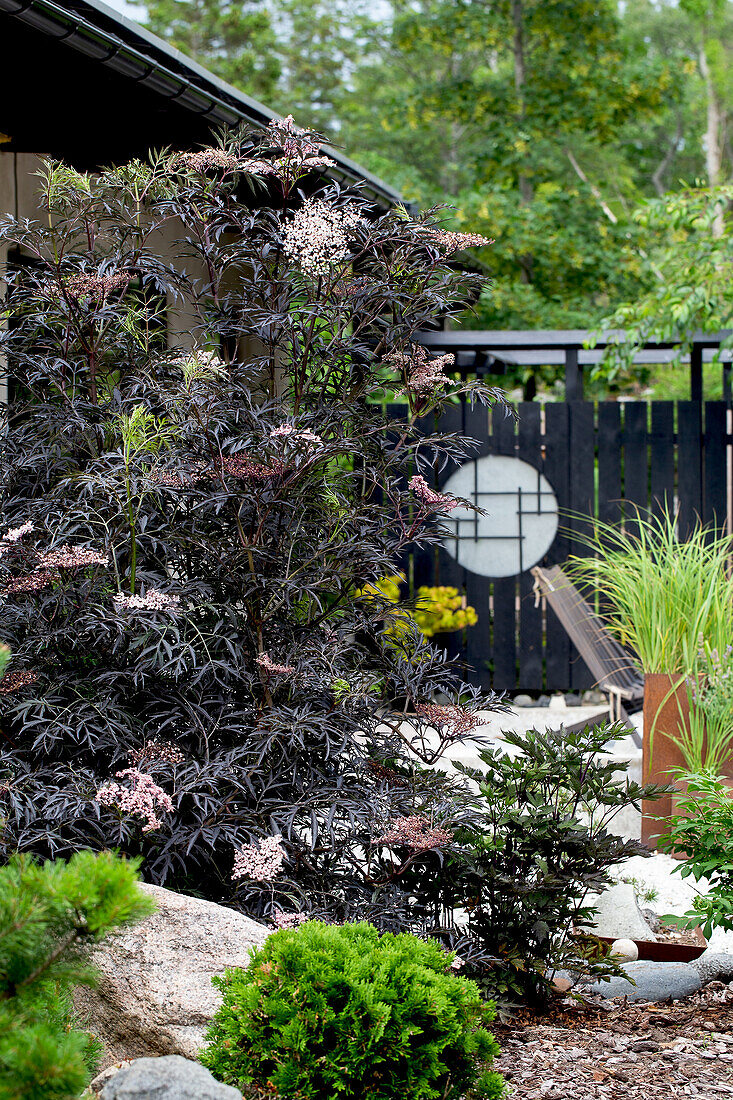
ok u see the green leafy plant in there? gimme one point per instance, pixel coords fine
(706, 733)
(51, 915)
(344, 1011)
(544, 844)
(702, 833)
(662, 594)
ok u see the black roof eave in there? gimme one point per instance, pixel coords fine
(104, 35)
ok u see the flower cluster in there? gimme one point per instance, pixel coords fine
(72, 557)
(317, 236)
(352, 286)
(301, 155)
(288, 920)
(438, 501)
(143, 798)
(243, 467)
(14, 681)
(455, 242)
(296, 435)
(270, 668)
(92, 287)
(458, 720)
(207, 160)
(34, 582)
(165, 752)
(414, 832)
(262, 860)
(13, 535)
(153, 600)
(423, 375)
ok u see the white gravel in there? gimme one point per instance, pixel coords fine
(661, 873)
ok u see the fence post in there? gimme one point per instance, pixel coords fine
(573, 376)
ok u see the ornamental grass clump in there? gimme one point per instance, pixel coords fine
(185, 531)
(326, 1011)
(663, 595)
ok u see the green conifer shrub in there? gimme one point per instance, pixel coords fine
(51, 915)
(326, 1011)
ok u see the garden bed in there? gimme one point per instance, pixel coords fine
(601, 1050)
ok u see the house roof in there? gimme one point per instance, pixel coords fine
(85, 83)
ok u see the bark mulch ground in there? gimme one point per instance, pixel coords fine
(599, 1049)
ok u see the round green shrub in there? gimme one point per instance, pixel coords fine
(346, 1012)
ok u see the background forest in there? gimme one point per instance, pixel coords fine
(546, 124)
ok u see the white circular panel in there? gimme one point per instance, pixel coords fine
(521, 520)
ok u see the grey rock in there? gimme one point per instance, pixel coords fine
(523, 701)
(654, 981)
(155, 996)
(714, 966)
(573, 701)
(594, 699)
(106, 1075)
(619, 915)
(652, 920)
(167, 1078)
(543, 701)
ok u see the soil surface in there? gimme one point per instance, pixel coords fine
(599, 1049)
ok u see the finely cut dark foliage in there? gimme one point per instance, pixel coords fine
(184, 533)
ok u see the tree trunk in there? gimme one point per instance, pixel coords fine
(713, 136)
(520, 78)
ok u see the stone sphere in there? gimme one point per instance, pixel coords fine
(625, 950)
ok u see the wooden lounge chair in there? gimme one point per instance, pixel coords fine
(614, 668)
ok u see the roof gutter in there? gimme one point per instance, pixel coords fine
(105, 36)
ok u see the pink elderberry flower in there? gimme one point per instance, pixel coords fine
(286, 124)
(163, 751)
(317, 236)
(243, 467)
(458, 963)
(143, 798)
(72, 557)
(456, 719)
(454, 242)
(438, 501)
(207, 160)
(288, 920)
(33, 582)
(256, 167)
(89, 287)
(262, 860)
(153, 600)
(14, 681)
(423, 375)
(414, 832)
(270, 668)
(296, 435)
(14, 535)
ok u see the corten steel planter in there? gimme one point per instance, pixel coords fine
(666, 710)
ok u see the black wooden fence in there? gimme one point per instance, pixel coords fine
(602, 460)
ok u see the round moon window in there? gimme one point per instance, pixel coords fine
(521, 520)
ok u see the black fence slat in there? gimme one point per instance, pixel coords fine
(582, 507)
(505, 588)
(555, 469)
(636, 462)
(715, 476)
(609, 462)
(479, 646)
(689, 465)
(662, 457)
(449, 571)
(531, 671)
